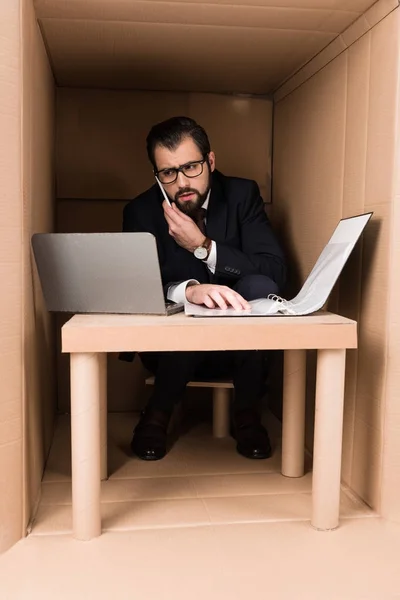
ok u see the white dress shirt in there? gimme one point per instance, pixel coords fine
(177, 293)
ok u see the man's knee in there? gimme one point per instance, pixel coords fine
(252, 287)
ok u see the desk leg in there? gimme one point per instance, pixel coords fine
(103, 414)
(328, 431)
(85, 441)
(221, 401)
(293, 419)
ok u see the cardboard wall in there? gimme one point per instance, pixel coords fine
(38, 197)
(390, 500)
(334, 156)
(10, 277)
(27, 396)
(102, 163)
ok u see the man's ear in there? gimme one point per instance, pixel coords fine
(211, 161)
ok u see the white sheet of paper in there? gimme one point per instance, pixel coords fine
(318, 285)
(259, 308)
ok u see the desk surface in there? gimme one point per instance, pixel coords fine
(142, 333)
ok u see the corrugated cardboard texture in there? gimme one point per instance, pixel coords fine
(101, 138)
(334, 155)
(38, 135)
(354, 32)
(27, 391)
(189, 46)
(336, 139)
(102, 163)
(391, 431)
(11, 277)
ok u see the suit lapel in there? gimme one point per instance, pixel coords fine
(217, 212)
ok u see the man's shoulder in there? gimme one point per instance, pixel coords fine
(145, 199)
(237, 187)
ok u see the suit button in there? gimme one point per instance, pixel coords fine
(227, 269)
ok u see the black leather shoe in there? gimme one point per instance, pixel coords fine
(149, 440)
(251, 436)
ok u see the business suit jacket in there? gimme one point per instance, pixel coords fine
(236, 221)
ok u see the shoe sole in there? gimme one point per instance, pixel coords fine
(150, 458)
(252, 457)
(147, 458)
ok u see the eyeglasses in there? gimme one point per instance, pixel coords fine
(190, 169)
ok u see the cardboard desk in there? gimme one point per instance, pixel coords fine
(88, 338)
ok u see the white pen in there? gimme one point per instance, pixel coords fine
(163, 191)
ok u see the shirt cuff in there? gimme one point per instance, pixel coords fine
(211, 261)
(177, 293)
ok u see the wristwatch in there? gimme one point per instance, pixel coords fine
(202, 252)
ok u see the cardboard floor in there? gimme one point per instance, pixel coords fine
(202, 523)
(280, 560)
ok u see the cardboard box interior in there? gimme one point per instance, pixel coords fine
(303, 97)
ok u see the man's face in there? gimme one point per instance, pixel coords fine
(189, 193)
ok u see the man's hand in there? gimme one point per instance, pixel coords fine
(182, 228)
(215, 296)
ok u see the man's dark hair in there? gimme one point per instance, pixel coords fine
(172, 132)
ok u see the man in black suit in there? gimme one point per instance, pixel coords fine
(216, 247)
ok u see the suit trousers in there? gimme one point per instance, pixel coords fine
(247, 368)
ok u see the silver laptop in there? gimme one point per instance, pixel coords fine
(101, 273)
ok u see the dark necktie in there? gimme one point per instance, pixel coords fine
(199, 219)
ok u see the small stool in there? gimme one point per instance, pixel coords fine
(221, 399)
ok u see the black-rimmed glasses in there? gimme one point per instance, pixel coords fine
(190, 169)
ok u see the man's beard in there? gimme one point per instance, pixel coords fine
(190, 207)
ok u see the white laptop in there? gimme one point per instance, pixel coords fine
(317, 287)
(101, 273)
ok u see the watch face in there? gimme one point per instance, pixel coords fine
(200, 253)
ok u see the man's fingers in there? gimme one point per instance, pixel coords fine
(243, 303)
(209, 302)
(219, 296)
(180, 214)
(166, 207)
(168, 218)
(174, 214)
(171, 226)
(233, 300)
(236, 300)
(225, 299)
(169, 212)
(218, 299)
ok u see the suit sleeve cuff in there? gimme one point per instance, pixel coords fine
(211, 261)
(177, 293)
